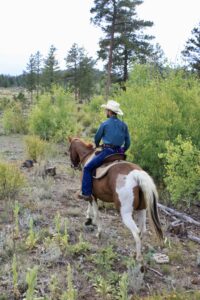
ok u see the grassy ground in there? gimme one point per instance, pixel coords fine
(59, 238)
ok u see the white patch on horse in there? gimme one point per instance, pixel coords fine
(124, 188)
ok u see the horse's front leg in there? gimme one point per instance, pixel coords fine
(89, 215)
(97, 219)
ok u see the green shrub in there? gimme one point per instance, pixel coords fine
(93, 115)
(11, 180)
(71, 293)
(182, 170)
(13, 120)
(5, 102)
(36, 148)
(158, 108)
(54, 117)
(31, 280)
(86, 120)
(20, 97)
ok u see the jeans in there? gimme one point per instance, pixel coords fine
(93, 164)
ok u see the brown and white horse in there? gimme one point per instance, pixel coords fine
(127, 186)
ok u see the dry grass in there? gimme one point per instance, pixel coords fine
(41, 202)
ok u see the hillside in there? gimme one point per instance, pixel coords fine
(97, 265)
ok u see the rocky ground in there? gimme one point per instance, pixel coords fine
(60, 239)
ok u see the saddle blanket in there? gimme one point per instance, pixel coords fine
(103, 170)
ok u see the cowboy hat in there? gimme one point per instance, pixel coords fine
(113, 106)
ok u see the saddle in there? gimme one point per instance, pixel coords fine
(114, 157)
(108, 162)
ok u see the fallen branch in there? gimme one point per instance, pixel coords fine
(155, 271)
(194, 238)
(178, 214)
(178, 227)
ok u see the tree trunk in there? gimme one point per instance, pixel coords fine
(194, 238)
(75, 82)
(125, 75)
(38, 84)
(110, 57)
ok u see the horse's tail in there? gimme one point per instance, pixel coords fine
(151, 197)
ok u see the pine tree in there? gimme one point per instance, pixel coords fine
(192, 50)
(105, 17)
(124, 41)
(73, 59)
(30, 75)
(50, 70)
(80, 70)
(157, 58)
(86, 77)
(38, 66)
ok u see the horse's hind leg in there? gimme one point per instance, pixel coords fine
(129, 222)
(89, 214)
(141, 217)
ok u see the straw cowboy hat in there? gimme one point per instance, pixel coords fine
(113, 106)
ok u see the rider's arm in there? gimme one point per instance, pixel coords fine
(127, 139)
(99, 135)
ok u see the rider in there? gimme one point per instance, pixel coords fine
(114, 134)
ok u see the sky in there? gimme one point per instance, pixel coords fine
(27, 26)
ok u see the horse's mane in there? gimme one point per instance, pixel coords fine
(88, 145)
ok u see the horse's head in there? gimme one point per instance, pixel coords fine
(73, 152)
(78, 150)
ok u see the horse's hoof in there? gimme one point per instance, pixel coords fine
(88, 222)
(98, 235)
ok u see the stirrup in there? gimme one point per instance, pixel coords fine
(85, 197)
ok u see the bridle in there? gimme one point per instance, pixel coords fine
(74, 165)
(78, 165)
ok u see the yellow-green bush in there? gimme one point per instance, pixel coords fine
(36, 148)
(54, 116)
(93, 114)
(182, 167)
(11, 180)
(13, 120)
(158, 108)
(5, 102)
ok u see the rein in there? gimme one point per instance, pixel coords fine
(84, 156)
(79, 165)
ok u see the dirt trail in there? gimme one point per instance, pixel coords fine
(42, 200)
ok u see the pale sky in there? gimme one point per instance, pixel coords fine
(27, 26)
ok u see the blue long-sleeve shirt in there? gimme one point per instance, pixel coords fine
(113, 131)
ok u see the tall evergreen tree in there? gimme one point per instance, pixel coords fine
(8, 81)
(73, 60)
(80, 70)
(106, 17)
(38, 67)
(123, 40)
(50, 70)
(86, 77)
(157, 57)
(30, 75)
(192, 50)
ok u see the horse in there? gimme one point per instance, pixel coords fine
(126, 185)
